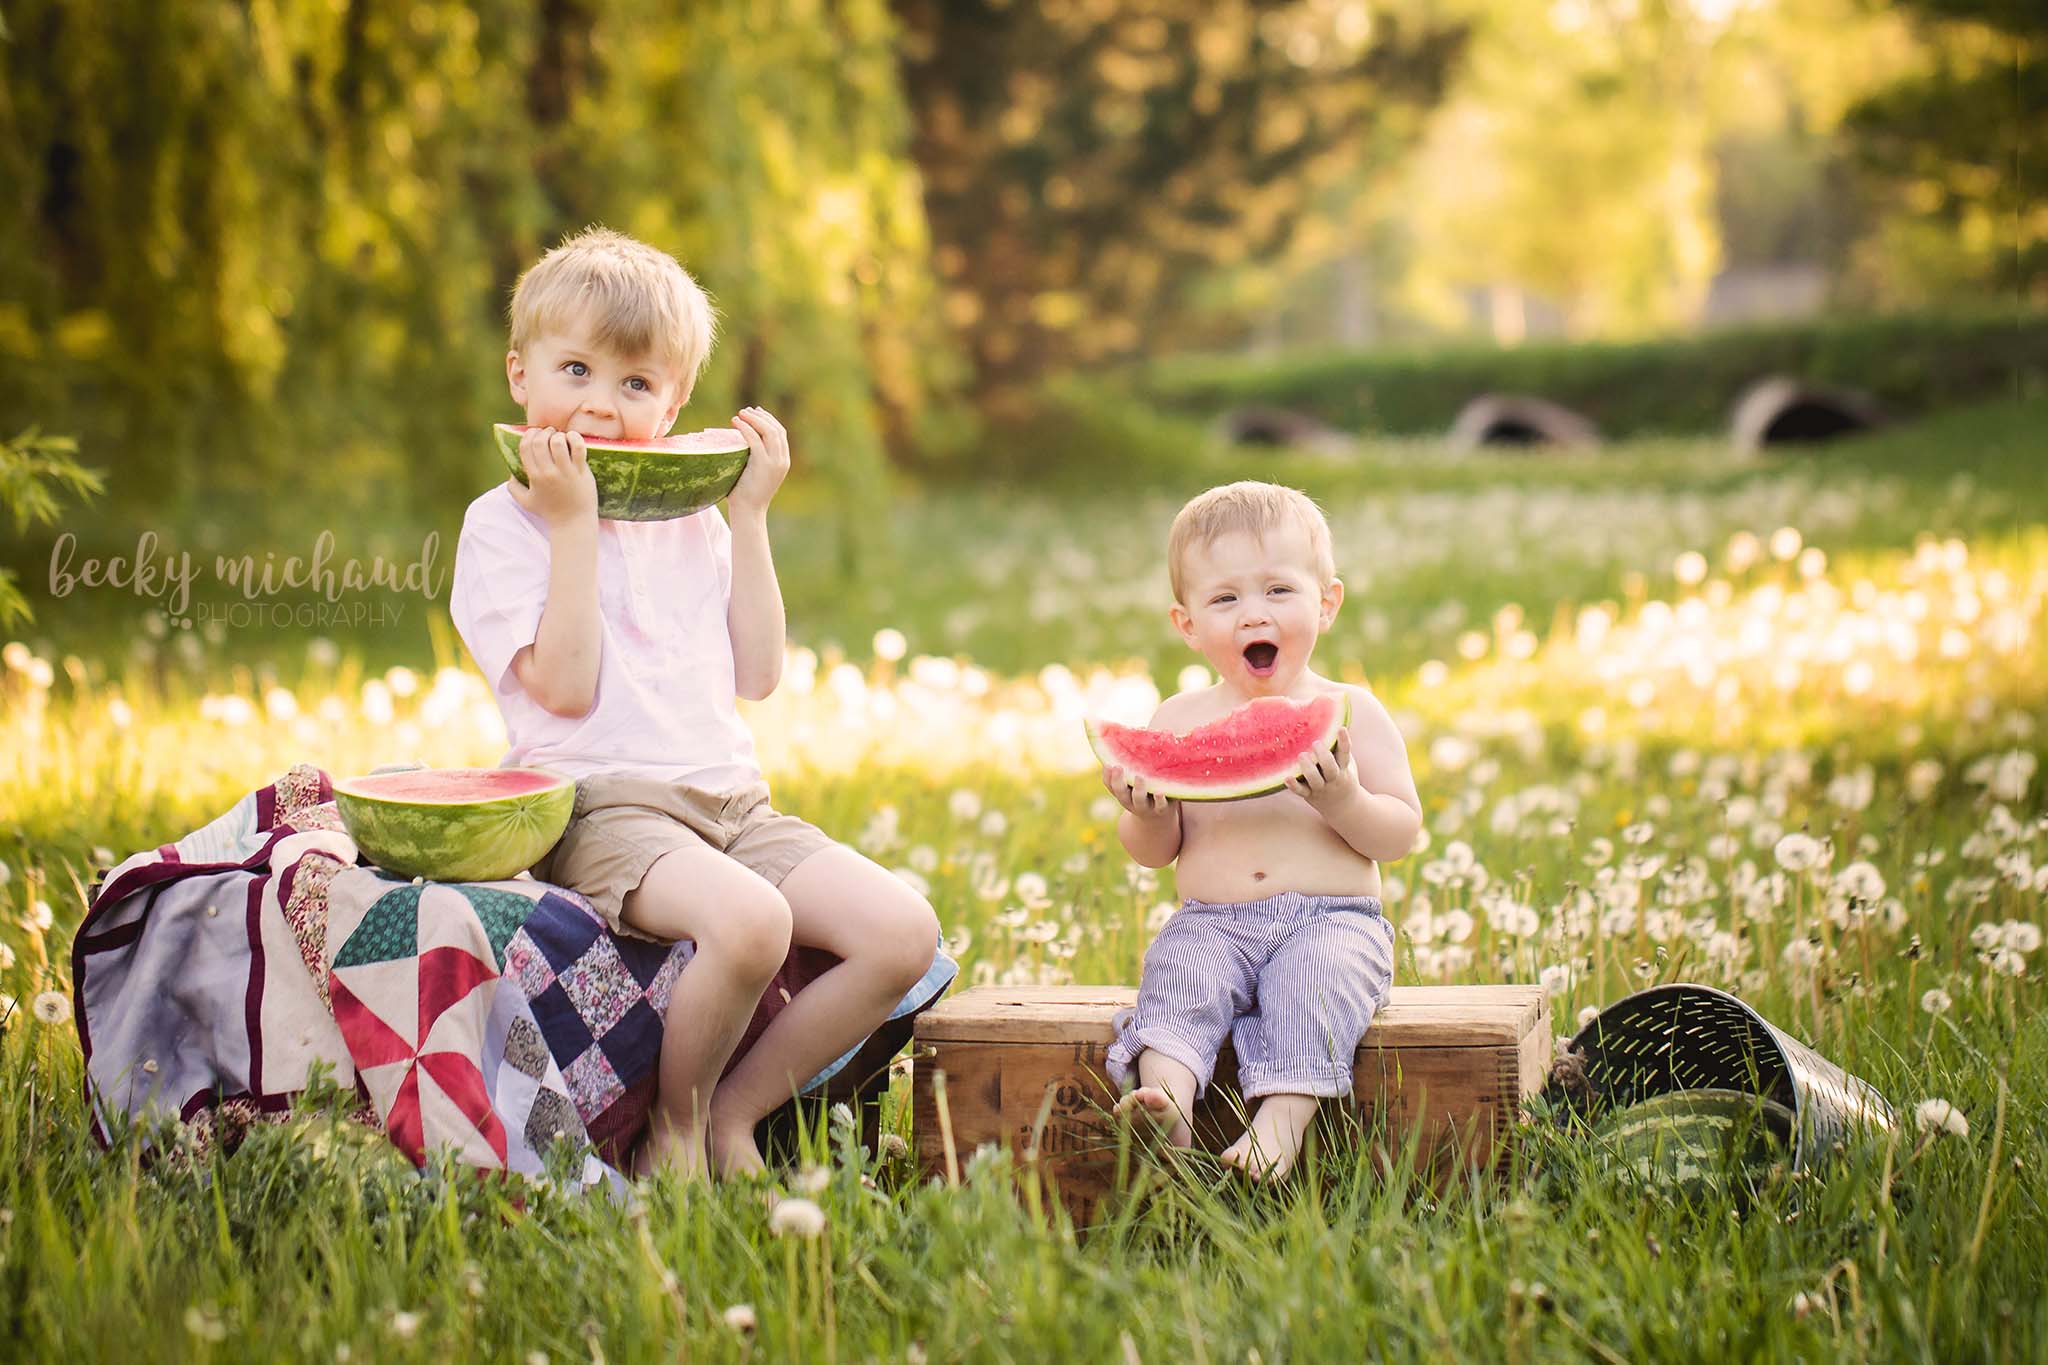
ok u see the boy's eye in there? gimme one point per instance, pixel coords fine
(1225, 600)
(577, 368)
(637, 384)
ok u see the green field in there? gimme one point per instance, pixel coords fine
(1626, 679)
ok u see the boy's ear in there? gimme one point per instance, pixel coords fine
(515, 377)
(1333, 598)
(1182, 622)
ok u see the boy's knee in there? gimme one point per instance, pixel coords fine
(749, 933)
(906, 949)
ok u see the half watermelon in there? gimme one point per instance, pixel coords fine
(670, 476)
(456, 824)
(1250, 752)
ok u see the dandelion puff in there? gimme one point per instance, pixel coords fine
(893, 1147)
(1798, 852)
(1939, 1116)
(6, 874)
(740, 1318)
(53, 1007)
(813, 1179)
(1936, 1001)
(39, 917)
(1587, 1014)
(403, 1325)
(797, 1218)
(964, 805)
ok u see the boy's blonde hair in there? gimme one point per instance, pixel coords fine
(639, 301)
(1254, 508)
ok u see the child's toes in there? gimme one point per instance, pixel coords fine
(1148, 1102)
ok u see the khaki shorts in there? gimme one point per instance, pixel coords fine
(623, 823)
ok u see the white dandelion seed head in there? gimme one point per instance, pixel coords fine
(1939, 1117)
(812, 1180)
(1798, 852)
(740, 1318)
(1935, 1000)
(52, 1007)
(796, 1217)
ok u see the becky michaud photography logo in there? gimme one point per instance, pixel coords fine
(273, 589)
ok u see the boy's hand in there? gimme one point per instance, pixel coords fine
(767, 464)
(559, 488)
(1326, 780)
(1131, 794)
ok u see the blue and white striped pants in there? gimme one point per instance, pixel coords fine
(1292, 980)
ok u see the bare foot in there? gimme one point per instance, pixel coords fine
(734, 1154)
(1269, 1147)
(674, 1149)
(1151, 1102)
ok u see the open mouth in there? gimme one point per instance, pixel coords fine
(1260, 656)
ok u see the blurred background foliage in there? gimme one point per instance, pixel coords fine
(255, 255)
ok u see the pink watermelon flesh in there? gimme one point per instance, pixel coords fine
(710, 441)
(453, 784)
(1250, 752)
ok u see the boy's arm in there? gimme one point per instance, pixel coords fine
(559, 669)
(754, 617)
(1375, 808)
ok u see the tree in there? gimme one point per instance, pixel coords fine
(1945, 149)
(268, 245)
(1084, 163)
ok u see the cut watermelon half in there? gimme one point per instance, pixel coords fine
(456, 824)
(670, 476)
(1250, 752)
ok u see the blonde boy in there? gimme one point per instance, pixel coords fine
(616, 651)
(1279, 944)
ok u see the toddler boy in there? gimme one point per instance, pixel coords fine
(1280, 943)
(616, 651)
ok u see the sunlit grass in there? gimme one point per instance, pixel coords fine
(1698, 745)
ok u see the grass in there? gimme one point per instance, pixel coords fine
(1613, 745)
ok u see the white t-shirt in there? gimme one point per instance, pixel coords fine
(666, 703)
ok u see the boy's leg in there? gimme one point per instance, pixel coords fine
(1196, 978)
(1318, 993)
(885, 935)
(1271, 1142)
(740, 925)
(1165, 1094)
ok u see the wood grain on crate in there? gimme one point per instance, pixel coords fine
(1025, 1068)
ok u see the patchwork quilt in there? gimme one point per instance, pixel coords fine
(214, 975)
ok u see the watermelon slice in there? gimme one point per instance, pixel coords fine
(1250, 752)
(670, 476)
(456, 824)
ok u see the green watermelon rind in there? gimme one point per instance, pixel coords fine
(643, 485)
(1264, 784)
(1694, 1138)
(456, 841)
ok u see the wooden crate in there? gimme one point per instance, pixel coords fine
(1457, 1060)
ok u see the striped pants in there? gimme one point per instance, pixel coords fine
(1293, 982)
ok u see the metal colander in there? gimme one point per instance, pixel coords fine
(1687, 1037)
